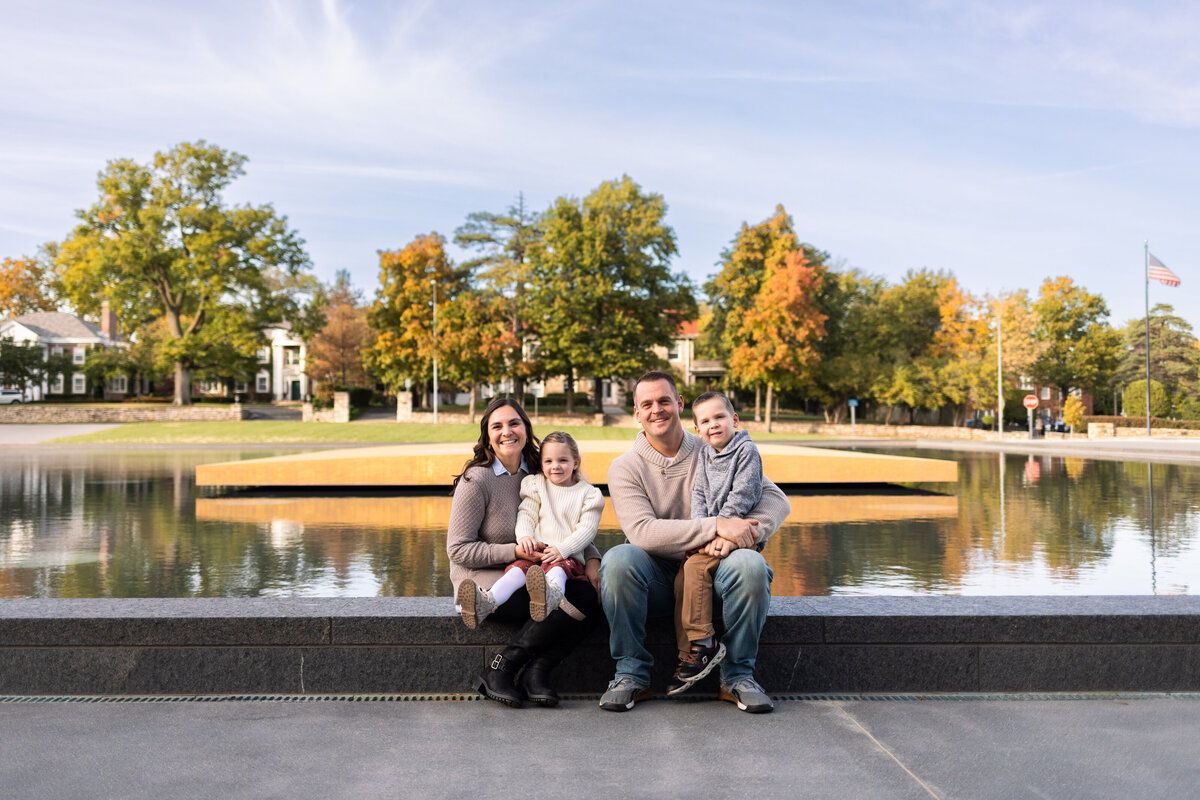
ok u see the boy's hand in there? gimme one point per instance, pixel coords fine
(551, 554)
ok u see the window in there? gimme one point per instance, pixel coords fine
(673, 351)
(262, 384)
(56, 350)
(57, 386)
(78, 355)
(78, 384)
(264, 355)
(291, 356)
(119, 385)
(239, 386)
(1045, 392)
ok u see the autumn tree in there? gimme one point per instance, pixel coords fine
(24, 287)
(161, 241)
(779, 333)
(335, 352)
(601, 294)
(474, 333)
(1079, 349)
(503, 242)
(402, 314)
(744, 268)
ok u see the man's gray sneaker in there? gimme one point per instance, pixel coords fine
(748, 695)
(622, 694)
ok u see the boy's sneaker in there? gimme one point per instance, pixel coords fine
(748, 695)
(544, 597)
(476, 603)
(622, 694)
(696, 665)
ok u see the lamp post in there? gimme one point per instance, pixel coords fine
(999, 371)
(435, 352)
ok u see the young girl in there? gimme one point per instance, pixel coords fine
(557, 520)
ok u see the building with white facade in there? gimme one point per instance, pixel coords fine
(60, 333)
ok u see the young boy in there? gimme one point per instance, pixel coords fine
(729, 484)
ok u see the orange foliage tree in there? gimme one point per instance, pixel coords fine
(23, 288)
(778, 334)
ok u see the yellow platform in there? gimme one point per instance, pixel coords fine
(432, 512)
(436, 464)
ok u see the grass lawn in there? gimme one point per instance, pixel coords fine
(271, 432)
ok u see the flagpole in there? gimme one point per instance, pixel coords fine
(1146, 243)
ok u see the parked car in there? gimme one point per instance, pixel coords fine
(12, 397)
(975, 423)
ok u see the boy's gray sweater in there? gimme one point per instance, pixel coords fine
(729, 483)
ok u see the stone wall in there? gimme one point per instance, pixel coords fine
(43, 413)
(339, 413)
(419, 645)
(542, 421)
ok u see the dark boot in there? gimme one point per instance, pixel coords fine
(561, 634)
(496, 682)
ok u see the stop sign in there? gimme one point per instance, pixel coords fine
(1030, 401)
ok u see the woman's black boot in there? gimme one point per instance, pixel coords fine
(496, 682)
(557, 637)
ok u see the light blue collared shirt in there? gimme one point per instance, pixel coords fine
(499, 468)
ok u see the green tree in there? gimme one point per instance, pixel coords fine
(849, 351)
(601, 293)
(161, 241)
(1079, 350)
(402, 315)
(1174, 353)
(907, 324)
(1135, 399)
(504, 242)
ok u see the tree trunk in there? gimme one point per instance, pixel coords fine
(471, 404)
(757, 402)
(569, 387)
(598, 395)
(518, 391)
(183, 384)
(770, 400)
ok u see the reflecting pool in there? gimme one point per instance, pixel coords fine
(131, 523)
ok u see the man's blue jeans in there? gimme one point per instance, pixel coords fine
(635, 584)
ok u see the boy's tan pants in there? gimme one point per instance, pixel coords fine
(694, 600)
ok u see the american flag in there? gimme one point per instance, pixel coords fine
(1160, 273)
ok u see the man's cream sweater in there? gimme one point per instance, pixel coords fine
(653, 500)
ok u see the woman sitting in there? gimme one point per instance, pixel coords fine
(481, 541)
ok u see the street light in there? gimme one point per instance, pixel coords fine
(999, 371)
(435, 352)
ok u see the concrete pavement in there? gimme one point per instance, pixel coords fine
(1102, 746)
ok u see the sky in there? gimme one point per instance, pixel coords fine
(1004, 142)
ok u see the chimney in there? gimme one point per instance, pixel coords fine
(108, 321)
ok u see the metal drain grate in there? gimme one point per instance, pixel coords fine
(467, 698)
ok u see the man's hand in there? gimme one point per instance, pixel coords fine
(592, 570)
(719, 548)
(742, 532)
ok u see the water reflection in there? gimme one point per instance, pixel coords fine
(131, 524)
